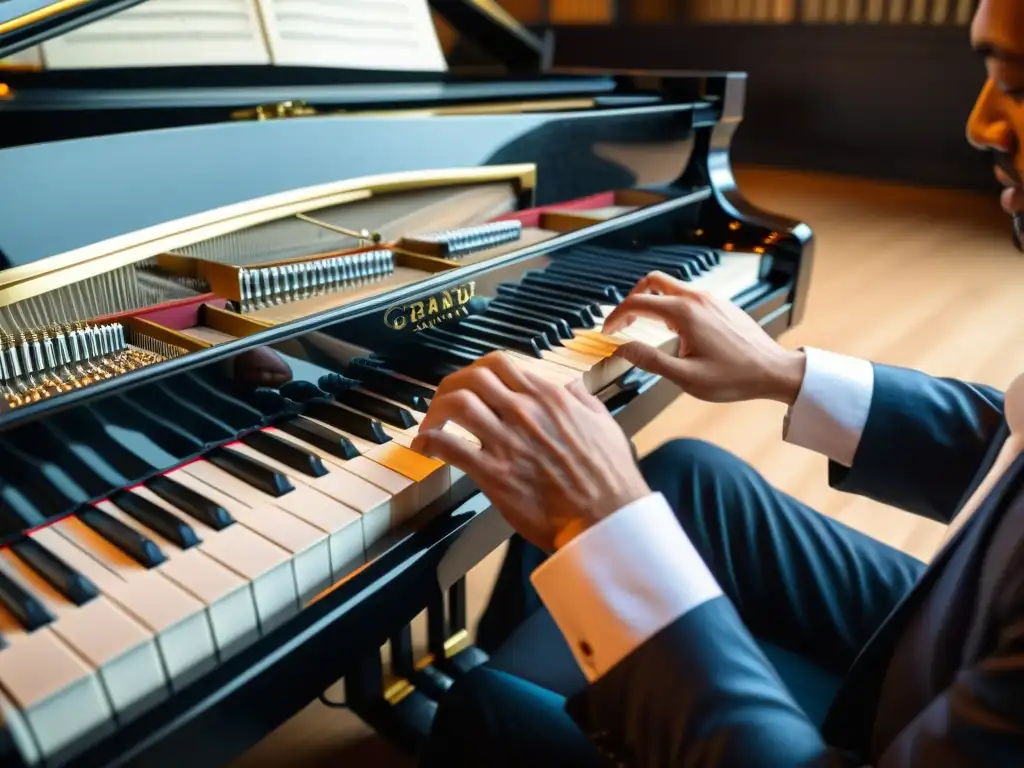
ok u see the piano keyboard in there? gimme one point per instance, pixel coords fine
(108, 607)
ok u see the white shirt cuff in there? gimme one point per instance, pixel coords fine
(618, 584)
(832, 408)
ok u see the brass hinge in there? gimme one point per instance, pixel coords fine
(275, 111)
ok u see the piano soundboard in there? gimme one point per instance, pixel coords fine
(211, 511)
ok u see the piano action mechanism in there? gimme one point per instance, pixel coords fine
(211, 511)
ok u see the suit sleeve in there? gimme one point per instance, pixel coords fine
(923, 442)
(676, 678)
(700, 693)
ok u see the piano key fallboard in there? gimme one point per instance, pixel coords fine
(210, 509)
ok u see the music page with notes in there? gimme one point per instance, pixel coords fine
(345, 34)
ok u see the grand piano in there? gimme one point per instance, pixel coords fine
(222, 315)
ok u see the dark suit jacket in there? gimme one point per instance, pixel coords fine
(941, 684)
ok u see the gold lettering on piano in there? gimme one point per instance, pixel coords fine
(425, 313)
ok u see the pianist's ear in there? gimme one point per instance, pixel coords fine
(258, 367)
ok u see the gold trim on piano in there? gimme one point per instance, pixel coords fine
(24, 282)
(40, 14)
(290, 109)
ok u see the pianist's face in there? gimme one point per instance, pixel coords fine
(997, 122)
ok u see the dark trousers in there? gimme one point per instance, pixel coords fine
(810, 589)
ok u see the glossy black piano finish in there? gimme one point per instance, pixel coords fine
(115, 442)
(577, 153)
(233, 706)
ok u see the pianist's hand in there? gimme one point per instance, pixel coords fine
(724, 356)
(551, 459)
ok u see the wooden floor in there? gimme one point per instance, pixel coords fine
(921, 278)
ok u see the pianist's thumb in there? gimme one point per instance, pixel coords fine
(652, 360)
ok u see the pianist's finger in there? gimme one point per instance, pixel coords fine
(482, 380)
(579, 390)
(667, 309)
(661, 283)
(486, 374)
(467, 409)
(457, 452)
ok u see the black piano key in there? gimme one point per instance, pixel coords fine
(58, 574)
(554, 330)
(707, 257)
(589, 307)
(453, 340)
(517, 329)
(237, 415)
(319, 436)
(593, 273)
(430, 371)
(141, 549)
(459, 358)
(192, 503)
(689, 267)
(156, 518)
(385, 383)
(41, 442)
(637, 271)
(347, 420)
(631, 264)
(285, 452)
(129, 415)
(576, 317)
(389, 413)
(89, 437)
(26, 491)
(29, 611)
(694, 265)
(519, 342)
(255, 473)
(581, 289)
(301, 391)
(188, 416)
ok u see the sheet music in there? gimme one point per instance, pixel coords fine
(30, 58)
(357, 34)
(165, 33)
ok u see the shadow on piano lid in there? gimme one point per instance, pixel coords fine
(218, 341)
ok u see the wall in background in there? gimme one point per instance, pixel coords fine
(878, 88)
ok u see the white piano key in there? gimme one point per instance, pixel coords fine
(335, 484)
(12, 721)
(227, 596)
(373, 504)
(177, 619)
(266, 515)
(121, 651)
(344, 528)
(266, 566)
(59, 697)
(432, 477)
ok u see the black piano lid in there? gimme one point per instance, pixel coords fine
(76, 192)
(25, 23)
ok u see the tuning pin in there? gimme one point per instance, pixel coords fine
(26, 356)
(344, 272)
(319, 276)
(243, 289)
(288, 287)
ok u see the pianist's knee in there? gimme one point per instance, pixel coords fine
(698, 479)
